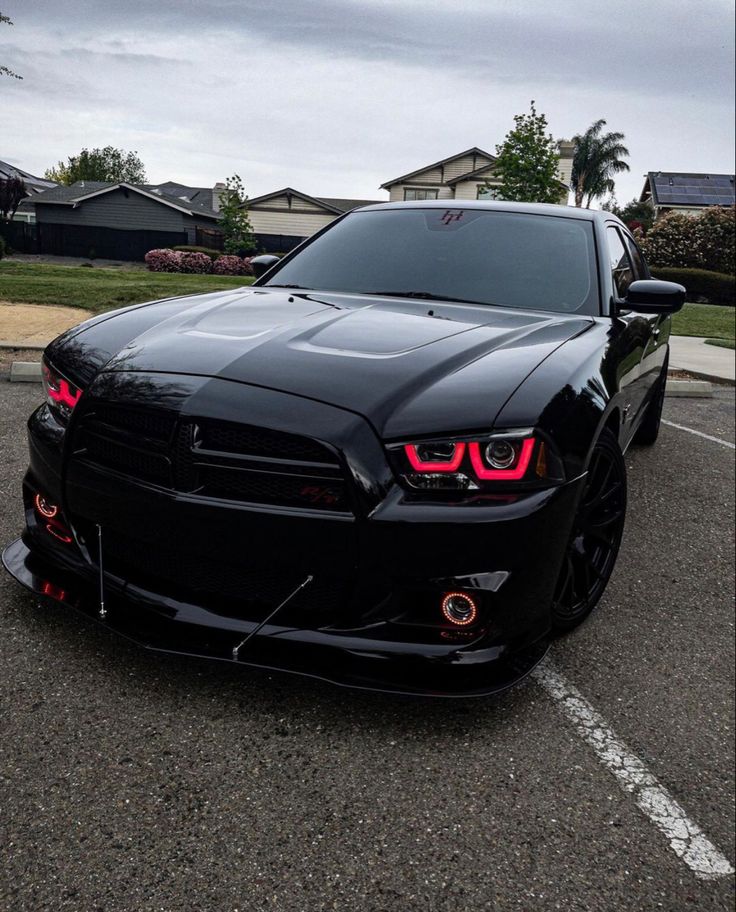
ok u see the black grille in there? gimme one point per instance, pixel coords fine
(227, 437)
(210, 458)
(262, 487)
(113, 454)
(154, 424)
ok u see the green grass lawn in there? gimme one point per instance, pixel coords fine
(101, 289)
(709, 320)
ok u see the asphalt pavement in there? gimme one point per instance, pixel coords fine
(131, 781)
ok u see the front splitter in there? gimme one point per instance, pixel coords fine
(347, 661)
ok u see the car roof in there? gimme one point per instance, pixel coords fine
(589, 215)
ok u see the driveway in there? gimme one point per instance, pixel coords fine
(136, 782)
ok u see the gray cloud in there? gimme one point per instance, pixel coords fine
(336, 96)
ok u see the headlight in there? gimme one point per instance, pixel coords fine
(520, 457)
(61, 394)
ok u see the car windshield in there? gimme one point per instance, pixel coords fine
(479, 256)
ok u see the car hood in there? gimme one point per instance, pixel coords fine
(408, 366)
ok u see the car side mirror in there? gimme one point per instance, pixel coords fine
(261, 264)
(653, 296)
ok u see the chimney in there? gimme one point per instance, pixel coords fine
(566, 148)
(216, 193)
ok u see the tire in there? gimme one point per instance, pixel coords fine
(648, 430)
(595, 537)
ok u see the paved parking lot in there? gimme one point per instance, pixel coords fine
(136, 782)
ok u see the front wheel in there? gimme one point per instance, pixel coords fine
(595, 537)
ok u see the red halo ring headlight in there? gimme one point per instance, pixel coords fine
(459, 608)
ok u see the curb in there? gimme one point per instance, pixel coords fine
(25, 372)
(22, 346)
(694, 389)
(710, 378)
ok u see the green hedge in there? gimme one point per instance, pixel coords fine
(702, 285)
(191, 248)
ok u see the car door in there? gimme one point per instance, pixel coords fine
(656, 352)
(634, 333)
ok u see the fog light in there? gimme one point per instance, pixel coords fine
(45, 507)
(459, 608)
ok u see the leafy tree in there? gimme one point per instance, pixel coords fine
(4, 71)
(528, 162)
(636, 214)
(598, 156)
(234, 219)
(12, 191)
(108, 164)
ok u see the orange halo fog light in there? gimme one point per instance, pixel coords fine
(459, 608)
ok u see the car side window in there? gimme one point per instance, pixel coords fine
(621, 269)
(640, 269)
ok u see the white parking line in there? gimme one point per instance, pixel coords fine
(685, 837)
(681, 427)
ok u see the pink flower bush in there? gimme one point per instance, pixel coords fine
(163, 260)
(228, 265)
(194, 262)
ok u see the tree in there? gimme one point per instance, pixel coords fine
(108, 164)
(528, 162)
(636, 214)
(12, 191)
(234, 219)
(4, 71)
(598, 156)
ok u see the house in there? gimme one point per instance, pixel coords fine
(209, 197)
(283, 219)
(468, 175)
(118, 220)
(691, 194)
(34, 185)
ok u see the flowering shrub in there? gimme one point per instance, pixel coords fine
(232, 265)
(706, 241)
(194, 262)
(163, 260)
(228, 265)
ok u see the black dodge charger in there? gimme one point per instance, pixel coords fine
(394, 462)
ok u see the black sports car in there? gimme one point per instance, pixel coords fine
(394, 462)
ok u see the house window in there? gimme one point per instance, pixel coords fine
(487, 193)
(414, 193)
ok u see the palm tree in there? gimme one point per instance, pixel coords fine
(598, 156)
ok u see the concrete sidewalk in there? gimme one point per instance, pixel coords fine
(690, 353)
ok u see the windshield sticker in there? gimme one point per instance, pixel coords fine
(450, 219)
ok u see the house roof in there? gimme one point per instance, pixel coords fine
(345, 205)
(81, 191)
(290, 191)
(673, 188)
(199, 195)
(33, 183)
(472, 151)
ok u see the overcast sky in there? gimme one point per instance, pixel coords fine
(334, 97)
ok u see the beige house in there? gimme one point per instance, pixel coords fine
(468, 175)
(283, 219)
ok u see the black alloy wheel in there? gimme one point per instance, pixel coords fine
(595, 538)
